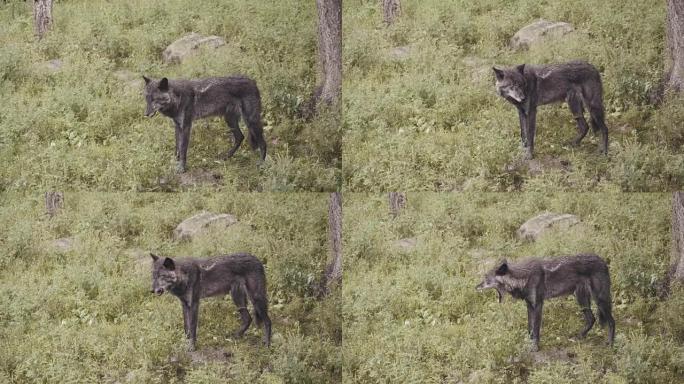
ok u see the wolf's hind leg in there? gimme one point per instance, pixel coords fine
(232, 117)
(583, 296)
(593, 100)
(577, 110)
(237, 292)
(600, 287)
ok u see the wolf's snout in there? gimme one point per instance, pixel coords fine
(150, 113)
(158, 291)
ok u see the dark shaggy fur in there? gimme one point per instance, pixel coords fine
(578, 83)
(187, 100)
(535, 280)
(241, 275)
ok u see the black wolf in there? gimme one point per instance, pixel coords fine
(241, 275)
(577, 82)
(187, 100)
(534, 280)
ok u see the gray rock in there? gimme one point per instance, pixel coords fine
(538, 166)
(52, 66)
(128, 78)
(549, 355)
(189, 45)
(406, 244)
(209, 355)
(400, 53)
(199, 177)
(199, 223)
(535, 227)
(480, 69)
(538, 31)
(63, 244)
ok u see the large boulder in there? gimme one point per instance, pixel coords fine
(535, 227)
(538, 31)
(189, 45)
(200, 223)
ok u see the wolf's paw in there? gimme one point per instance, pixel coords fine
(181, 168)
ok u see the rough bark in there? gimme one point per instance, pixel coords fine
(329, 90)
(674, 61)
(53, 202)
(391, 9)
(42, 16)
(677, 270)
(333, 272)
(397, 202)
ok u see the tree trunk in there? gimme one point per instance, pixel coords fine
(53, 202)
(329, 51)
(397, 202)
(333, 272)
(677, 270)
(42, 16)
(674, 61)
(391, 9)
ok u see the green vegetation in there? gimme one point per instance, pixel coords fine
(86, 314)
(431, 120)
(413, 315)
(81, 127)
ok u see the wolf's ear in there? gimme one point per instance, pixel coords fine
(164, 84)
(154, 257)
(147, 79)
(498, 72)
(169, 264)
(502, 269)
(521, 69)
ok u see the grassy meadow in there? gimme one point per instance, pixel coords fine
(412, 314)
(85, 314)
(81, 126)
(426, 117)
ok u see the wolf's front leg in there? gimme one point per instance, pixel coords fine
(536, 325)
(523, 126)
(530, 311)
(531, 128)
(193, 312)
(183, 146)
(186, 313)
(178, 133)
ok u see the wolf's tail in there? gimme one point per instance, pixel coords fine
(600, 289)
(251, 113)
(256, 291)
(593, 100)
